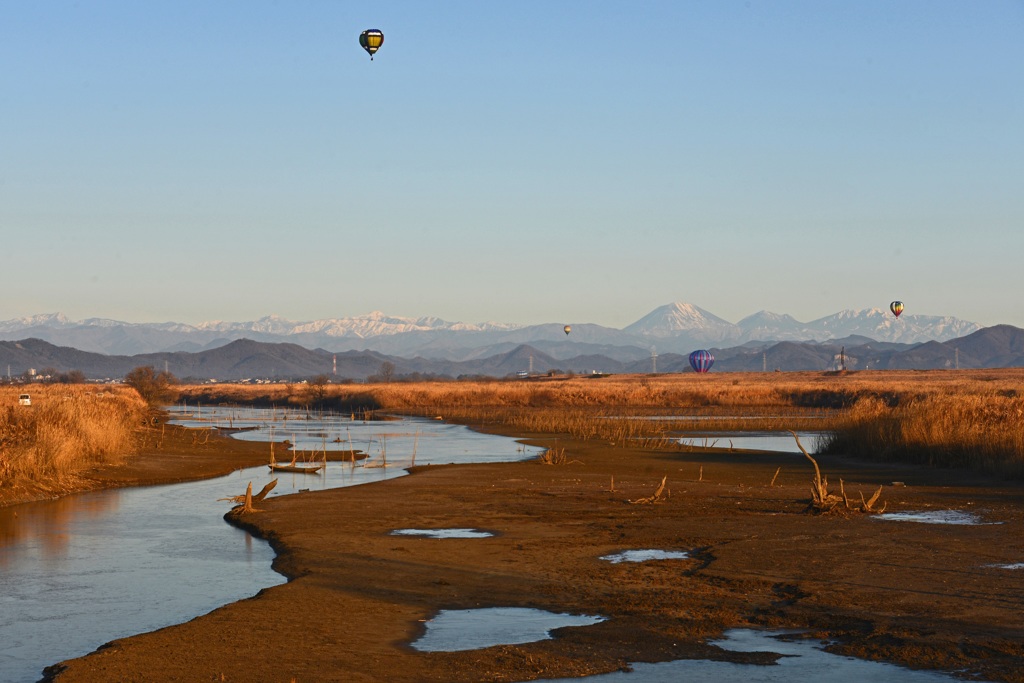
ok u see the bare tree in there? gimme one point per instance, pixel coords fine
(317, 388)
(154, 387)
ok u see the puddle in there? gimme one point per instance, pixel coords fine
(756, 441)
(472, 629)
(645, 555)
(956, 517)
(443, 533)
(1016, 565)
(799, 660)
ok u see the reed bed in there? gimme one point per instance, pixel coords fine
(965, 418)
(982, 431)
(68, 428)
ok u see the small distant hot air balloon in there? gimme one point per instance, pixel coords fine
(567, 329)
(896, 307)
(701, 361)
(371, 40)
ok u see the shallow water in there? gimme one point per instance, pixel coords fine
(955, 517)
(646, 555)
(83, 570)
(758, 441)
(443, 533)
(472, 629)
(800, 660)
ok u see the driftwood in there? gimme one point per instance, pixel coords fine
(824, 502)
(244, 503)
(656, 498)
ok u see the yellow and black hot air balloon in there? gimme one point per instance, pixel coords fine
(567, 329)
(371, 39)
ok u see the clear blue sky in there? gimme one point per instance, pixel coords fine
(522, 161)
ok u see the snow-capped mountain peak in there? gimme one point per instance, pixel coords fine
(676, 318)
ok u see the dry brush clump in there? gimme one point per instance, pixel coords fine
(65, 430)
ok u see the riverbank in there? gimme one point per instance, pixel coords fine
(921, 595)
(167, 454)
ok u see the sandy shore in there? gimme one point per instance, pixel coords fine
(920, 595)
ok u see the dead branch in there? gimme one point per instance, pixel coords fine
(652, 499)
(772, 483)
(821, 500)
(870, 504)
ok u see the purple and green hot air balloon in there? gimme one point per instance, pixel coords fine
(701, 361)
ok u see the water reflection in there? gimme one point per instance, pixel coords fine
(46, 525)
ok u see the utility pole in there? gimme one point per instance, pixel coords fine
(956, 356)
(654, 361)
(335, 371)
(764, 361)
(531, 363)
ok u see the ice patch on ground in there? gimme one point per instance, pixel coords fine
(799, 660)
(472, 629)
(443, 533)
(645, 555)
(956, 517)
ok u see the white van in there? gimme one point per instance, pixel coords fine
(24, 400)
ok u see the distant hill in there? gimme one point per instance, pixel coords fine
(991, 347)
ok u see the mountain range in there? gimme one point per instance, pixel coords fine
(990, 347)
(673, 328)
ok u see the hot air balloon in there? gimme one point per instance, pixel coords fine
(567, 328)
(371, 40)
(701, 361)
(896, 307)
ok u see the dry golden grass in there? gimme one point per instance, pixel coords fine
(965, 418)
(67, 428)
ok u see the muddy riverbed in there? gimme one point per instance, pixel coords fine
(932, 596)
